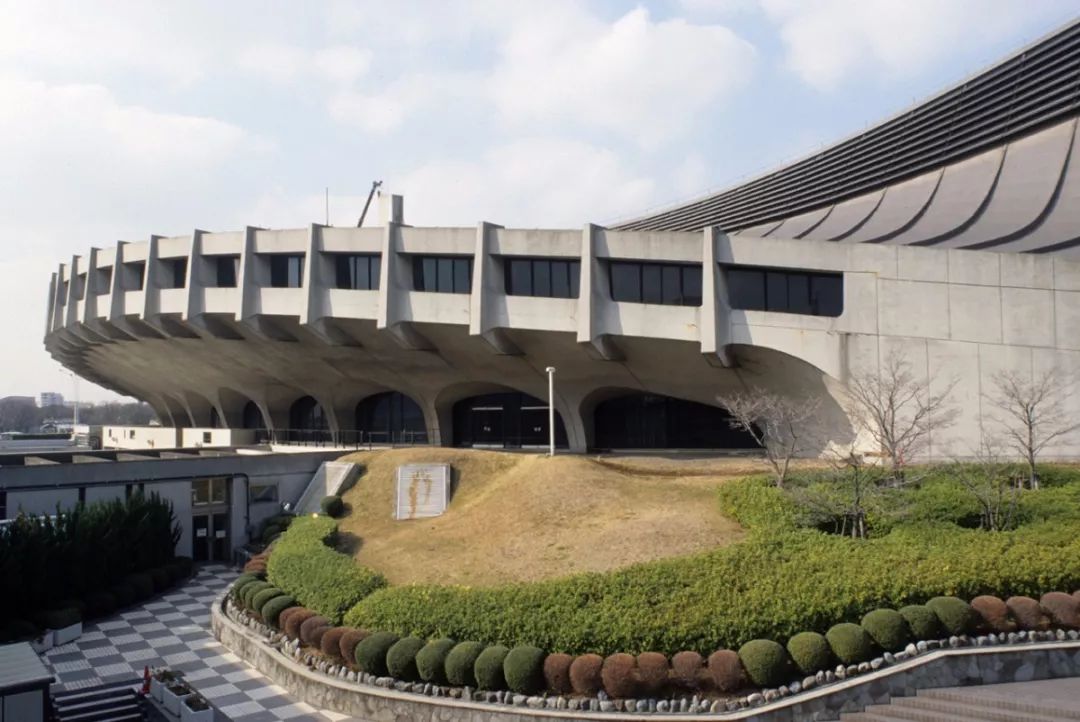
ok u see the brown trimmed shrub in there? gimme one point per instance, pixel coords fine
(292, 625)
(330, 642)
(686, 669)
(317, 635)
(283, 618)
(309, 625)
(557, 673)
(993, 614)
(652, 670)
(726, 671)
(1028, 614)
(1063, 609)
(619, 674)
(255, 566)
(585, 673)
(347, 643)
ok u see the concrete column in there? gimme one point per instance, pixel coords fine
(194, 282)
(715, 321)
(51, 305)
(91, 290)
(389, 272)
(247, 281)
(151, 286)
(71, 310)
(311, 308)
(59, 299)
(485, 288)
(586, 304)
(116, 300)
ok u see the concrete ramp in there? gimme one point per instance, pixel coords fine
(330, 478)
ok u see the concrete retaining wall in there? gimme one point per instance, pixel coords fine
(941, 668)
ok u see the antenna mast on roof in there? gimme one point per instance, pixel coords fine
(374, 187)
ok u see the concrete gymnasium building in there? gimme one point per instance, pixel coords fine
(950, 232)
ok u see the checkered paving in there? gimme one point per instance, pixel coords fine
(174, 631)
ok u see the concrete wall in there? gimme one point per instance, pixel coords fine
(140, 437)
(954, 314)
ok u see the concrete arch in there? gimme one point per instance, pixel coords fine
(232, 403)
(362, 406)
(446, 399)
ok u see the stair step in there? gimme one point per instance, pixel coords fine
(95, 704)
(127, 712)
(103, 690)
(909, 714)
(975, 699)
(867, 717)
(966, 707)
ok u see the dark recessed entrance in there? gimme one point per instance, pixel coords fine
(649, 421)
(253, 418)
(307, 414)
(507, 420)
(391, 418)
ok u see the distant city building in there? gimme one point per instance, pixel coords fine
(51, 398)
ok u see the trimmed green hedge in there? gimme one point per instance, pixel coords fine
(850, 643)
(460, 662)
(431, 660)
(810, 652)
(401, 659)
(370, 653)
(766, 662)
(887, 628)
(488, 668)
(524, 669)
(271, 611)
(305, 565)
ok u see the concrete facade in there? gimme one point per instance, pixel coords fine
(201, 352)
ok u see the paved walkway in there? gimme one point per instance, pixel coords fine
(174, 630)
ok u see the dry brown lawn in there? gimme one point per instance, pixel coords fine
(523, 517)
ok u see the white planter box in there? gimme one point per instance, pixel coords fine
(67, 634)
(189, 715)
(155, 689)
(45, 644)
(171, 702)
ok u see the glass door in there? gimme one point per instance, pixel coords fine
(219, 547)
(200, 537)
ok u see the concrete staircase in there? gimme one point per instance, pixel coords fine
(330, 478)
(117, 702)
(1043, 701)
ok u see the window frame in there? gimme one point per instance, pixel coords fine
(442, 270)
(805, 292)
(277, 275)
(652, 280)
(349, 276)
(563, 276)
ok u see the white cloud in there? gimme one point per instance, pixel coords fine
(828, 41)
(283, 63)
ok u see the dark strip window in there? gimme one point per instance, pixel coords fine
(104, 281)
(670, 284)
(359, 272)
(804, 292)
(135, 272)
(442, 274)
(82, 494)
(175, 273)
(286, 270)
(3, 504)
(80, 286)
(543, 277)
(226, 271)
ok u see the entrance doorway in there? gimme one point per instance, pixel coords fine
(210, 520)
(651, 421)
(509, 420)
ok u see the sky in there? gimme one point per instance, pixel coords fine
(119, 120)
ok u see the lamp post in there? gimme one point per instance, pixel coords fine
(551, 410)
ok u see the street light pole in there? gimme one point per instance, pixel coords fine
(551, 410)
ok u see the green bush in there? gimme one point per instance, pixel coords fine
(955, 615)
(142, 583)
(766, 662)
(810, 652)
(16, 630)
(488, 668)
(124, 594)
(888, 629)
(186, 566)
(431, 660)
(271, 611)
(161, 578)
(304, 565)
(370, 654)
(460, 662)
(58, 618)
(242, 581)
(850, 643)
(99, 604)
(248, 595)
(270, 533)
(922, 622)
(259, 600)
(332, 506)
(523, 669)
(401, 659)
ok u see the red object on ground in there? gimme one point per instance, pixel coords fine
(146, 680)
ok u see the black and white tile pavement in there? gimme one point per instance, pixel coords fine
(173, 630)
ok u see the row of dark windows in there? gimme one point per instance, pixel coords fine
(754, 289)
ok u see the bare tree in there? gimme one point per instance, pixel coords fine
(844, 494)
(1033, 412)
(990, 480)
(896, 408)
(779, 424)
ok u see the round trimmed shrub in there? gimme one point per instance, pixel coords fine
(922, 622)
(161, 579)
(348, 642)
(316, 636)
(283, 617)
(292, 624)
(488, 668)
(524, 669)
(98, 604)
(766, 662)
(242, 581)
(1028, 613)
(270, 533)
(370, 653)
(1063, 609)
(726, 671)
(256, 566)
(955, 615)
(619, 675)
(259, 600)
(686, 670)
(250, 590)
(431, 660)
(557, 673)
(652, 670)
(993, 615)
(887, 628)
(332, 506)
(272, 610)
(850, 643)
(585, 674)
(330, 642)
(401, 659)
(308, 627)
(460, 662)
(124, 594)
(142, 583)
(810, 652)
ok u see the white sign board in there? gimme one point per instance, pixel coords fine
(423, 491)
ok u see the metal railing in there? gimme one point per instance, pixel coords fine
(349, 438)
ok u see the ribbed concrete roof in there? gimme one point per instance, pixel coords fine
(989, 163)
